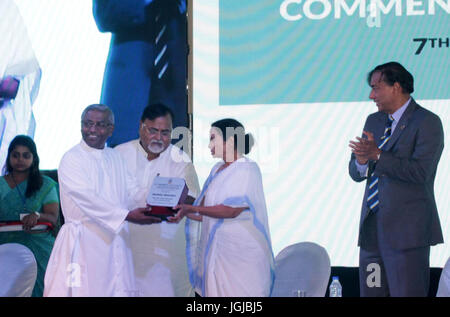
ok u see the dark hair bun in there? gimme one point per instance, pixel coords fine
(229, 127)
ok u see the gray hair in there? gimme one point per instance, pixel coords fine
(101, 108)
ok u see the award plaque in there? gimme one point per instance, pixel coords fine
(165, 193)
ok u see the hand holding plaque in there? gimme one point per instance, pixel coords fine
(165, 193)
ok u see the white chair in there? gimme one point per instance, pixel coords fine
(444, 281)
(302, 269)
(18, 270)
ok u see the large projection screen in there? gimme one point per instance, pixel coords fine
(302, 118)
(294, 73)
(72, 55)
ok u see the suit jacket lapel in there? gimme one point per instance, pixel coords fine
(401, 125)
(379, 128)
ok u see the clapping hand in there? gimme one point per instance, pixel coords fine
(365, 149)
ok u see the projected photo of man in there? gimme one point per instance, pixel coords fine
(20, 76)
(146, 62)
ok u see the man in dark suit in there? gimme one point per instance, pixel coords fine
(147, 60)
(398, 154)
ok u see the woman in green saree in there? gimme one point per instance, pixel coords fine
(25, 192)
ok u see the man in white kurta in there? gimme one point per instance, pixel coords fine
(91, 255)
(159, 250)
(20, 76)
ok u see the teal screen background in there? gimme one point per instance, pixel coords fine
(265, 59)
(300, 88)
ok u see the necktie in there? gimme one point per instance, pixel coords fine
(164, 11)
(161, 61)
(372, 196)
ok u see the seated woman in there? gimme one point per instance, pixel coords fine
(233, 255)
(23, 190)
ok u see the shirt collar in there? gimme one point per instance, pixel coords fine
(140, 148)
(398, 114)
(86, 147)
(95, 153)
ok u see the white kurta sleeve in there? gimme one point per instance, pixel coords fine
(135, 192)
(77, 186)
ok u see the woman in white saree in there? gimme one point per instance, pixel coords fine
(232, 254)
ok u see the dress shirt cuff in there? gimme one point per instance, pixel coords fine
(362, 168)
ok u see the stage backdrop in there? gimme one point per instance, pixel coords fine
(72, 55)
(294, 72)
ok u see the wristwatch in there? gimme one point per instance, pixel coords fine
(37, 214)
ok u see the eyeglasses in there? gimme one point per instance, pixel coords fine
(152, 131)
(100, 124)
